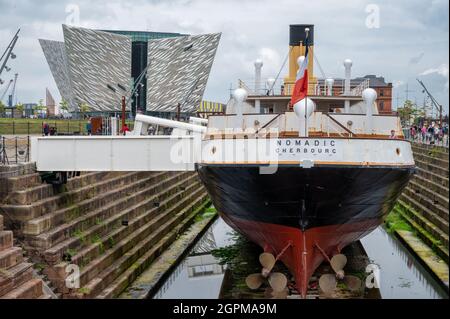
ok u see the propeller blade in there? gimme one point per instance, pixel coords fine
(327, 283)
(338, 262)
(277, 281)
(254, 281)
(267, 260)
(270, 293)
(353, 283)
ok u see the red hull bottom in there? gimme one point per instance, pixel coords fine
(303, 256)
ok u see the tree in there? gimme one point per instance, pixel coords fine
(2, 108)
(84, 108)
(409, 111)
(40, 106)
(20, 108)
(64, 106)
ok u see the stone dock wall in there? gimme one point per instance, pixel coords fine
(424, 203)
(93, 236)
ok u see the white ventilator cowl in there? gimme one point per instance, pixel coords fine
(258, 63)
(303, 109)
(300, 108)
(329, 82)
(369, 95)
(240, 95)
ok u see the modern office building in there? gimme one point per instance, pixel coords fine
(156, 72)
(139, 59)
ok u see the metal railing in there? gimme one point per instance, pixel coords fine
(14, 150)
(56, 127)
(319, 89)
(265, 89)
(357, 91)
(357, 87)
(37, 128)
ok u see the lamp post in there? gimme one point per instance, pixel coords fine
(123, 114)
(123, 104)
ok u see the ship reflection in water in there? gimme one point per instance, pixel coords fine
(200, 275)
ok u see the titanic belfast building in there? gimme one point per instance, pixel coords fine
(155, 71)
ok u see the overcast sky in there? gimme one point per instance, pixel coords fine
(399, 39)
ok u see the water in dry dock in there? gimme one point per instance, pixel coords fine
(199, 275)
(401, 275)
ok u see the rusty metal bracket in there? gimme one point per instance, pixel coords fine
(322, 252)
(289, 244)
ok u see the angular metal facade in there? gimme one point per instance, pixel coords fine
(95, 67)
(99, 63)
(179, 70)
(55, 54)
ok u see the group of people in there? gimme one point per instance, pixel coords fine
(432, 133)
(47, 130)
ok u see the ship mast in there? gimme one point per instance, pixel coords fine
(306, 96)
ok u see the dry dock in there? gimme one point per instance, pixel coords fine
(136, 235)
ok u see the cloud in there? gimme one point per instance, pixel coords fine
(442, 70)
(417, 59)
(272, 60)
(250, 29)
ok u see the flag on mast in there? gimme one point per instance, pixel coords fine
(301, 83)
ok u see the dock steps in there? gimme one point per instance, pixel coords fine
(112, 225)
(16, 274)
(121, 256)
(424, 235)
(131, 213)
(172, 229)
(424, 203)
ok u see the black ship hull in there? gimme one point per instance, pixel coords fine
(310, 210)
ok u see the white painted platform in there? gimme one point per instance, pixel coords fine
(113, 153)
(170, 153)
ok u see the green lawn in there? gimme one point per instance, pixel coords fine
(34, 126)
(10, 126)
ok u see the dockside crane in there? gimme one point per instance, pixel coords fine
(6, 90)
(11, 96)
(433, 100)
(8, 53)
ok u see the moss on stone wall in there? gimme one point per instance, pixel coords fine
(394, 221)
